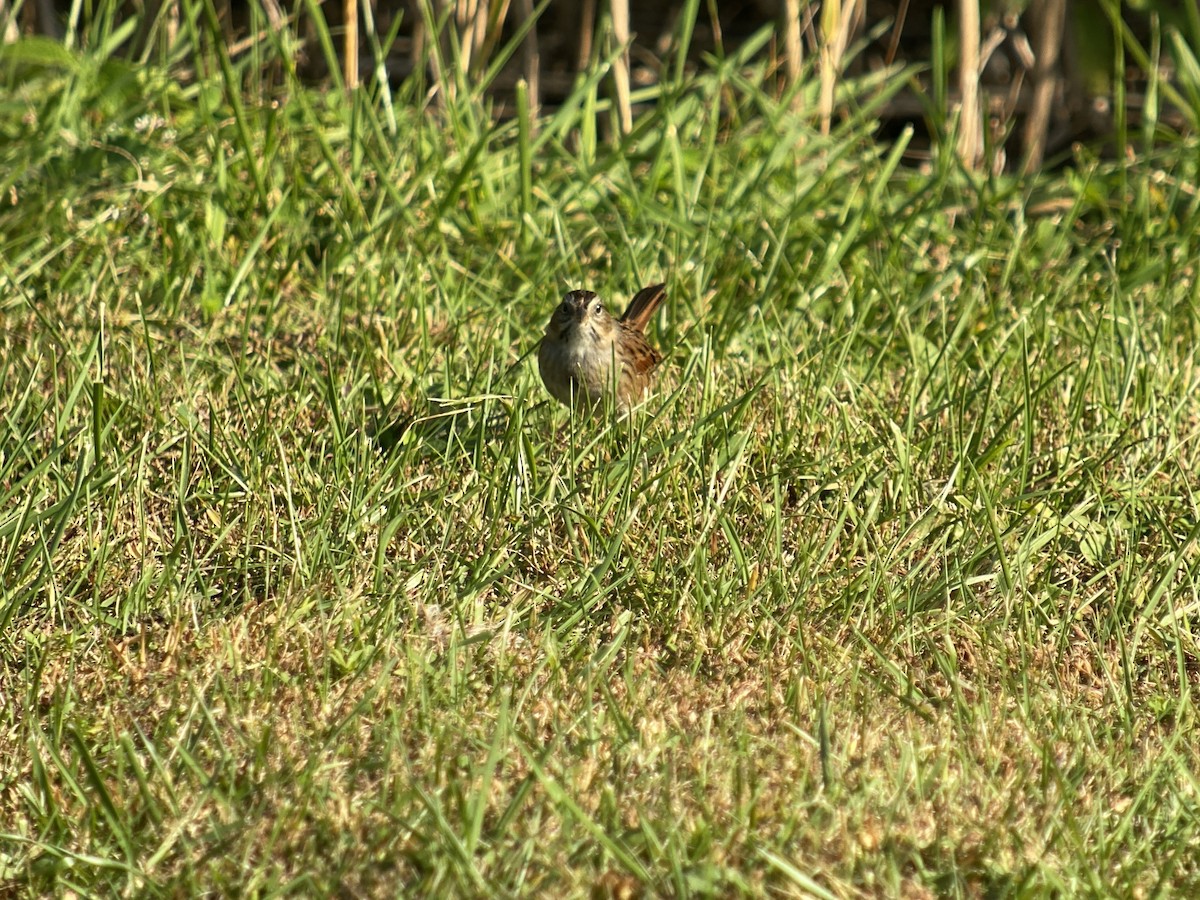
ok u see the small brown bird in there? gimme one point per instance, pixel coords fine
(587, 355)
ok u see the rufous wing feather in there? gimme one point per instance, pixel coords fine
(643, 305)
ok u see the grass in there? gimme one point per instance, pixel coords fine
(890, 589)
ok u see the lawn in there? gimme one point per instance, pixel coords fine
(891, 588)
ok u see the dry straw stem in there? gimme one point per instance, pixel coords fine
(493, 29)
(467, 14)
(531, 61)
(620, 24)
(970, 126)
(838, 24)
(8, 23)
(350, 50)
(793, 49)
(481, 25)
(467, 34)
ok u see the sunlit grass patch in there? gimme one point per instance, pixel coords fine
(890, 586)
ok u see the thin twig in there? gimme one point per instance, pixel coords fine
(1051, 15)
(587, 30)
(897, 31)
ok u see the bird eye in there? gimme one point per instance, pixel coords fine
(597, 308)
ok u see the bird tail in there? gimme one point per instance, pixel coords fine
(643, 305)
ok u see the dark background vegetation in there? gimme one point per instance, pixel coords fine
(1028, 77)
